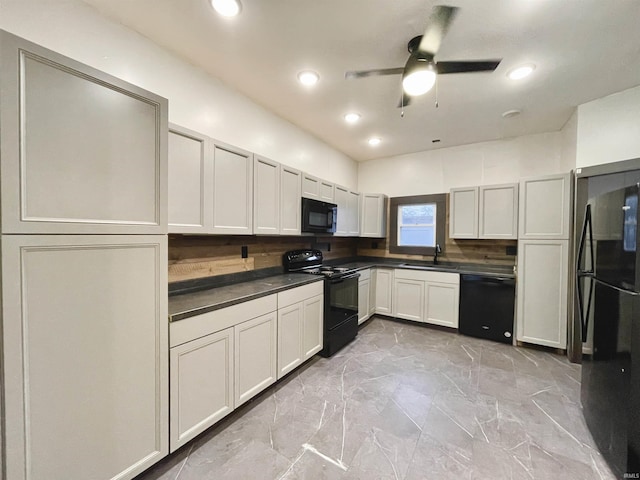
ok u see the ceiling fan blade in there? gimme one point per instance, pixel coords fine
(373, 73)
(437, 26)
(405, 101)
(467, 67)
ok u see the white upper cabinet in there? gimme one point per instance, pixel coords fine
(190, 163)
(486, 212)
(266, 196)
(498, 212)
(82, 151)
(318, 189)
(290, 204)
(342, 221)
(373, 215)
(327, 191)
(463, 216)
(232, 190)
(353, 214)
(310, 186)
(545, 207)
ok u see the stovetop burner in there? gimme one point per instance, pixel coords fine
(310, 261)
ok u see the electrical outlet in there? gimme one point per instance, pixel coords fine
(245, 251)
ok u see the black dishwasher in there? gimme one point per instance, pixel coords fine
(486, 307)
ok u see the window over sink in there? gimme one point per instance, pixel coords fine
(417, 224)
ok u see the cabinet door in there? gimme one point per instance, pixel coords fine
(499, 211)
(542, 292)
(313, 311)
(290, 203)
(290, 338)
(373, 215)
(310, 186)
(190, 164)
(255, 356)
(266, 196)
(201, 385)
(81, 151)
(232, 190)
(342, 200)
(441, 304)
(545, 207)
(463, 212)
(408, 299)
(384, 288)
(327, 191)
(363, 300)
(85, 355)
(372, 292)
(353, 214)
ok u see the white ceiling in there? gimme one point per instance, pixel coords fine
(583, 49)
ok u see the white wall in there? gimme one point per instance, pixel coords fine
(569, 139)
(609, 129)
(196, 100)
(486, 163)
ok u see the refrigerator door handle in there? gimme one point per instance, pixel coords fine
(580, 274)
(615, 287)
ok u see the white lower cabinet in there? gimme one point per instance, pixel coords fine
(221, 359)
(364, 296)
(84, 355)
(255, 356)
(441, 303)
(384, 291)
(429, 297)
(408, 298)
(542, 292)
(201, 385)
(300, 314)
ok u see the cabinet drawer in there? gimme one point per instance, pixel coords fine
(298, 294)
(211, 322)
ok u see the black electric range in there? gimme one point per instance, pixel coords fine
(340, 297)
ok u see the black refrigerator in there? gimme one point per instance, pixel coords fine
(608, 310)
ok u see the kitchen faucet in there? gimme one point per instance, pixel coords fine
(437, 251)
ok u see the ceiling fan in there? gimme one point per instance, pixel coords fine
(419, 73)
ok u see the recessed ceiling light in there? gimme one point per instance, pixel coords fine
(352, 117)
(373, 141)
(226, 8)
(308, 78)
(511, 113)
(521, 72)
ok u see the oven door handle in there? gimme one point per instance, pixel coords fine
(345, 277)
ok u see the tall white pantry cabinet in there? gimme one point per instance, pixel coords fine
(84, 355)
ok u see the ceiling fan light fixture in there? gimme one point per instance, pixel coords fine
(352, 117)
(521, 72)
(308, 78)
(419, 81)
(226, 8)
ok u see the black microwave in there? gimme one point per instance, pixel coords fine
(318, 217)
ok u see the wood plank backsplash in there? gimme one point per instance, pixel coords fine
(192, 256)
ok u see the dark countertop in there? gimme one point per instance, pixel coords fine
(197, 303)
(206, 300)
(461, 268)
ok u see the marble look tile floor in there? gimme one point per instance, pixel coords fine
(405, 401)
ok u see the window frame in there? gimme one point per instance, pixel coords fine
(440, 199)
